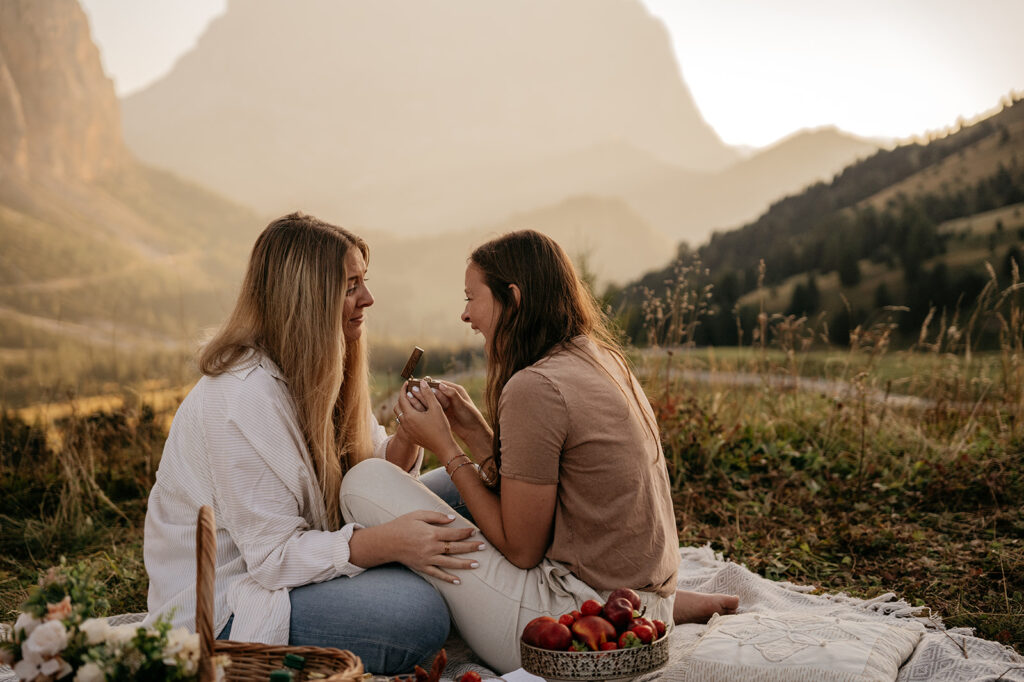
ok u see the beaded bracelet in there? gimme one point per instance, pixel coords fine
(454, 459)
(468, 461)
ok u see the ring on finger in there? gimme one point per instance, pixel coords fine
(400, 414)
(398, 421)
(447, 548)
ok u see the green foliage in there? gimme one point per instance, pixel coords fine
(806, 298)
(78, 582)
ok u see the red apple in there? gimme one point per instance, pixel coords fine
(594, 631)
(591, 607)
(547, 633)
(629, 594)
(533, 627)
(659, 627)
(639, 620)
(618, 612)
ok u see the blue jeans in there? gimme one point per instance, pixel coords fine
(387, 615)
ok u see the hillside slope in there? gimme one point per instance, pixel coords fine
(890, 228)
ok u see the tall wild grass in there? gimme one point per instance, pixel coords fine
(863, 468)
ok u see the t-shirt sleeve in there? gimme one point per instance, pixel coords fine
(534, 424)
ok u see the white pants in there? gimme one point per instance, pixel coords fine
(494, 602)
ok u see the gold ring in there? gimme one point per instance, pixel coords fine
(447, 548)
(401, 414)
(398, 421)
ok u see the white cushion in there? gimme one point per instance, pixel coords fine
(797, 646)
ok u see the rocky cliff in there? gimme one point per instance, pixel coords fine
(58, 112)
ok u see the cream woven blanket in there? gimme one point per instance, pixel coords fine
(941, 655)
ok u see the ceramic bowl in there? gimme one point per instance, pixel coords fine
(617, 664)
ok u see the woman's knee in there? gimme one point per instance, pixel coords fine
(389, 616)
(375, 481)
(368, 473)
(412, 617)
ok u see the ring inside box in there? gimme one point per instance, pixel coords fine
(433, 383)
(410, 367)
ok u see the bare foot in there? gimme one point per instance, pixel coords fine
(695, 607)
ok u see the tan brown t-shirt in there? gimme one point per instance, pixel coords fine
(565, 420)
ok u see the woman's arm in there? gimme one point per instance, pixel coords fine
(260, 480)
(403, 453)
(519, 521)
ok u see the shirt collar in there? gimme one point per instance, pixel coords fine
(250, 362)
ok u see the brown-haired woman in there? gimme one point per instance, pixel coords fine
(265, 438)
(572, 489)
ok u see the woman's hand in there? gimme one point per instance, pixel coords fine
(462, 414)
(464, 419)
(424, 422)
(421, 541)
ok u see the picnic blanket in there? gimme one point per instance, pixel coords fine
(942, 655)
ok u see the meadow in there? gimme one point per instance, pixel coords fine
(792, 456)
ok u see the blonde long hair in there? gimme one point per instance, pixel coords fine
(290, 308)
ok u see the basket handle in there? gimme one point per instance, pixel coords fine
(206, 552)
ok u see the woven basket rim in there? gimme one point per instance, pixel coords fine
(251, 654)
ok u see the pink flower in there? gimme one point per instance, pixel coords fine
(60, 610)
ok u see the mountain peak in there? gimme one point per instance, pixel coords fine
(326, 102)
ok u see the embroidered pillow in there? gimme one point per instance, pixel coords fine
(797, 646)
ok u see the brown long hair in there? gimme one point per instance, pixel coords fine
(290, 308)
(555, 306)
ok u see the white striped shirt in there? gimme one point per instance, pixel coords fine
(235, 444)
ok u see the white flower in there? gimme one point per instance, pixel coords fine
(56, 667)
(121, 634)
(181, 644)
(33, 666)
(90, 672)
(95, 630)
(26, 622)
(30, 666)
(47, 640)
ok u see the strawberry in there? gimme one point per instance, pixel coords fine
(591, 607)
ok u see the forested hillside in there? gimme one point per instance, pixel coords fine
(912, 226)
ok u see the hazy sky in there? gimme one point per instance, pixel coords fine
(759, 70)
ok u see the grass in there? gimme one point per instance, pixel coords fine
(807, 489)
(847, 494)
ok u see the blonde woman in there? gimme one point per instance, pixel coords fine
(265, 437)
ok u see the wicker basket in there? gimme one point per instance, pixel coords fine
(250, 661)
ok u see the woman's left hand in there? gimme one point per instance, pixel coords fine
(424, 423)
